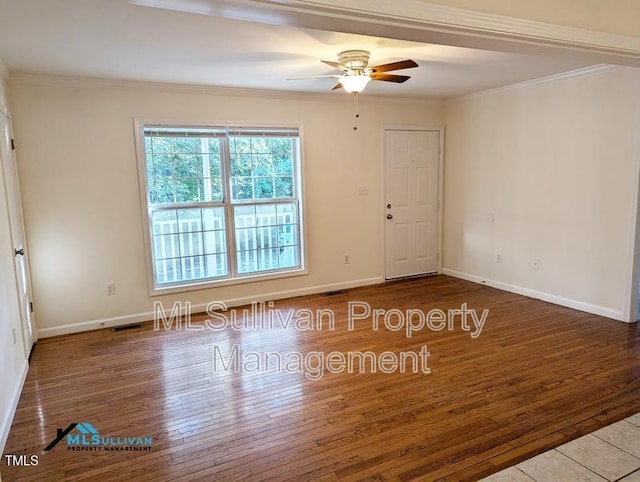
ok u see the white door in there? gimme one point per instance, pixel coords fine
(411, 205)
(19, 253)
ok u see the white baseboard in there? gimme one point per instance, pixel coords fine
(147, 316)
(7, 416)
(540, 295)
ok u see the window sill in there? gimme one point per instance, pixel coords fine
(207, 284)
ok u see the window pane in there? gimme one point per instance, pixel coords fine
(189, 220)
(161, 190)
(266, 215)
(288, 235)
(216, 265)
(287, 213)
(213, 219)
(215, 242)
(181, 170)
(164, 222)
(284, 186)
(260, 144)
(192, 244)
(193, 267)
(245, 216)
(240, 144)
(187, 190)
(216, 189)
(246, 239)
(166, 246)
(168, 271)
(289, 257)
(261, 167)
(268, 259)
(241, 188)
(187, 166)
(266, 237)
(214, 161)
(189, 244)
(263, 187)
(214, 149)
(241, 165)
(247, 262)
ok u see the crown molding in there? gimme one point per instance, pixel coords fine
(406, 18)
(573, 74)
(97, 82)
(421, 12)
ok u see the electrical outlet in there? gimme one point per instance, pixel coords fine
(536, 264)
(346, 259)
(111, 289)
(498, 257)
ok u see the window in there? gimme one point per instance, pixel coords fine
(222, 203)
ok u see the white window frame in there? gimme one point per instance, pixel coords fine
(233, 278)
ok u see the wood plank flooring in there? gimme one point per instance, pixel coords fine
(538, 375)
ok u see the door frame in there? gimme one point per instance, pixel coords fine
(383, 185)
(4, 111)
(632, 290)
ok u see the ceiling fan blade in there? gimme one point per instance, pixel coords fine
(334, 76)
(335, 65)
(337, 86)
(399, 79)
(402, 64)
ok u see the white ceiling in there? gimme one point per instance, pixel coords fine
(118, 40)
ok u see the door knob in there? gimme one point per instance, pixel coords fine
(389, 216)
(19, 252)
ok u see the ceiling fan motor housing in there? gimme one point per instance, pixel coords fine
(354, 60)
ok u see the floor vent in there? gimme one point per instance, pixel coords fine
(334, 293)
(127, 327)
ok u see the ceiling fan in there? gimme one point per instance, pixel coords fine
(356, 72)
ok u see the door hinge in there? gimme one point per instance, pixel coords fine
(13, 145)
(31, 306)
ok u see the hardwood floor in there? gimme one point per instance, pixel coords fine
(537, 376)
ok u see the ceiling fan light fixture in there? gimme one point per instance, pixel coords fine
(354, 84)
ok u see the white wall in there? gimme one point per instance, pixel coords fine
(556, 163)
(81, 201)
(13, 363)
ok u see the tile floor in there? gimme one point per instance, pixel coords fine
(611, 453)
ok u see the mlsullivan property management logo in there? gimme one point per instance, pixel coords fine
(82, 436)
